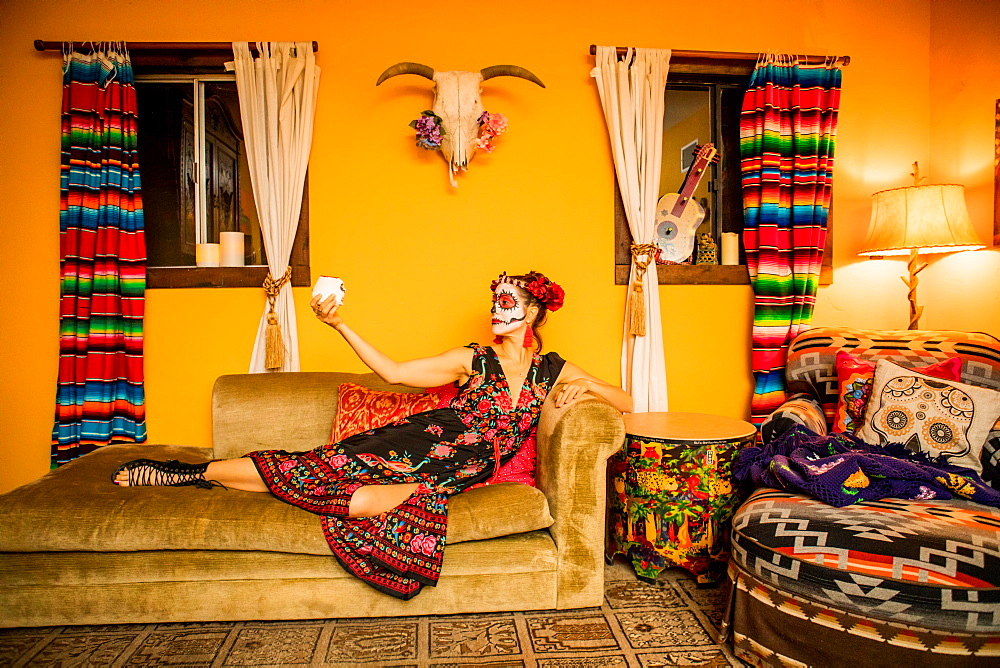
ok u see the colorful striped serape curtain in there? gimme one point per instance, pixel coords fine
(787, 128)
(100, 399)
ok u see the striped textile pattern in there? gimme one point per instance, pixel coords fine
(787, 127)
(100, 397)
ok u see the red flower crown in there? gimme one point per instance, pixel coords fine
(540, 287)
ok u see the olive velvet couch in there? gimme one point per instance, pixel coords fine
(77, 549)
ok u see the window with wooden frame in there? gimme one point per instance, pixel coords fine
(195, 178)
(702, 103)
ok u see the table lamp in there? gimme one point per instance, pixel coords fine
(919, 219)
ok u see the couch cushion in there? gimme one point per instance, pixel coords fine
(78, 508)
(935, 564)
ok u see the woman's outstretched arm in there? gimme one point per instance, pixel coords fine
(449, 366)
(574, 382)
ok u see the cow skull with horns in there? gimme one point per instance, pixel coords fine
(458, 103)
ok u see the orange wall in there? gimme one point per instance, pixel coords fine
(418, 255)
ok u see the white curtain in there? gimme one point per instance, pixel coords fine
(277, 94)
(631, 93)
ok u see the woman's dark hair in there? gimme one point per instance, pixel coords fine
(531, 300)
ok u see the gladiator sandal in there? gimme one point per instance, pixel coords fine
(149, 472)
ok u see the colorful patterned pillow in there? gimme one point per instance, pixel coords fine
(946, 420)
(360, 408)
(854, 386)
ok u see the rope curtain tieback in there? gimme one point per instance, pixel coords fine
(636, 298)
(274, 346)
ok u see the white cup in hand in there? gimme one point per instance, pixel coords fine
(327, 286)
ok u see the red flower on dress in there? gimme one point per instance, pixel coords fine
(423, 543)
(338, 460)
(434, 429)
(442, 451)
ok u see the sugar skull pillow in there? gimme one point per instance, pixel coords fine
(854, 383)
(945, 419)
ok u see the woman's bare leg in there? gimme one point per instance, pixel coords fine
(241, 473)
(234, 473)
(377, 499)
(238, 473)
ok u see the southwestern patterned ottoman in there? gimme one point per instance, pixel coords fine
(909, 582)
(884, 583)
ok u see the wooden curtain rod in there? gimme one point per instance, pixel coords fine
(697, 56)
(41, 45)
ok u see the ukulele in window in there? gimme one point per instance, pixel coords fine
(678, 215)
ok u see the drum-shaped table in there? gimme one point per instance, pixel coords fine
(671, 495)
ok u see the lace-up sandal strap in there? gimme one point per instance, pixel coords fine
(209, 484)
(172, 473)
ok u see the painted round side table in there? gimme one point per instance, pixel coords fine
(670, 492)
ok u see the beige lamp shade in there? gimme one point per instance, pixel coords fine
(928, 219)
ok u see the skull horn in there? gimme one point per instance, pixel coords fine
(407, 68)
(509, 71)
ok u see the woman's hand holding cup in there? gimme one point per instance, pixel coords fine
(327, 296)
(326, 310)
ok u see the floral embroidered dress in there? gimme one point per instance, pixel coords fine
(447, 450)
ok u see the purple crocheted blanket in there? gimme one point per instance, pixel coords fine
(840, 469)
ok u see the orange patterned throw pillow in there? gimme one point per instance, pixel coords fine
(854, 386)
(360, 409)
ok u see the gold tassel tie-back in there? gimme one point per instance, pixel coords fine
(636, 300)
(274, 345)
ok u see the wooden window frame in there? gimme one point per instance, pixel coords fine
(694, 67)
(195, 58)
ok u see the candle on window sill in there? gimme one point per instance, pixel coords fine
(206, 255)
(730, 248)
(231, 249)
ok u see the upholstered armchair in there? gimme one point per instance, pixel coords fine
(889, 582)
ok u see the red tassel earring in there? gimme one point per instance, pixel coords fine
(498, 340)
(529, 338)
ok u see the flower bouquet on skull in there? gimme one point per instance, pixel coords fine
(429, 130)
(491, 126)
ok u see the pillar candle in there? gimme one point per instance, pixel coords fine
(206, 255)
(730, 248)
(232, 249)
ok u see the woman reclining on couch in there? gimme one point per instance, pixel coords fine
(383, 494)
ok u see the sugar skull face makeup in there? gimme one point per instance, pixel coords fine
(508, 309)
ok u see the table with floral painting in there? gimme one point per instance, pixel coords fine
(670, 492)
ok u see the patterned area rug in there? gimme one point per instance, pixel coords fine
(670, 623)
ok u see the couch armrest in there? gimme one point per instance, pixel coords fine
(800, 409)
(574, 443)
